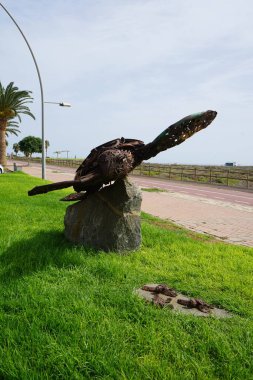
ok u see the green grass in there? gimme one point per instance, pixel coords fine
(154, 190)
(70, 313)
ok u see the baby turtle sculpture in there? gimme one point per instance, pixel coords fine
(117, 158)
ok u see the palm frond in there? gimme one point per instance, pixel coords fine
(13, 131)
(11, 98)
(12, 123)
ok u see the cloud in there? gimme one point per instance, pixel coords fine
(132, 68)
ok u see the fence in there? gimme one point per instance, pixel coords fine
(51, 161)
(240, 177)
(237, 177)
(69, 163)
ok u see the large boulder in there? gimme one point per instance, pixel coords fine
(108, 219)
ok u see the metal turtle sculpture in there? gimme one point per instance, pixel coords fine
(117, 158)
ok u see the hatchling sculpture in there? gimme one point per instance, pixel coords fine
(117, 158)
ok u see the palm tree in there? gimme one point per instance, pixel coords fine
(47, 145)
(16, 148)
(12, 104)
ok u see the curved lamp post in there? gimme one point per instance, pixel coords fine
(41, 92)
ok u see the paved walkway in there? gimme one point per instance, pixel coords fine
(226, 220)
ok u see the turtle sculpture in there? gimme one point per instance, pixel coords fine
(117, 158)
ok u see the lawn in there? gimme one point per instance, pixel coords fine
(68, 312)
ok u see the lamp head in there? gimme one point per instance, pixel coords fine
(62, 104)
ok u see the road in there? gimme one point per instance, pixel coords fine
(242, 197)
(225, 213)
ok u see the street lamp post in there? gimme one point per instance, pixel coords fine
(43, 174)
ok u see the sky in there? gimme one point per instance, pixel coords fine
(131, 68)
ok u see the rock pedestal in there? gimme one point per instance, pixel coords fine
(107, 220)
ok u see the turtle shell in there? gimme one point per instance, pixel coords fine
(93, 160)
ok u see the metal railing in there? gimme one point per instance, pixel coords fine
(234, 177)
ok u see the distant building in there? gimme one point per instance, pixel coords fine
(230, 164)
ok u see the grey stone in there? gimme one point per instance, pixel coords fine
(107, 220)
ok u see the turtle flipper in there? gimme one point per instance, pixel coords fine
(177, 133)
(82, 184)
(74, 197)
(51, 187)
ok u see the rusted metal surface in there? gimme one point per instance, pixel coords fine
(115, 159)
(163, 296)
